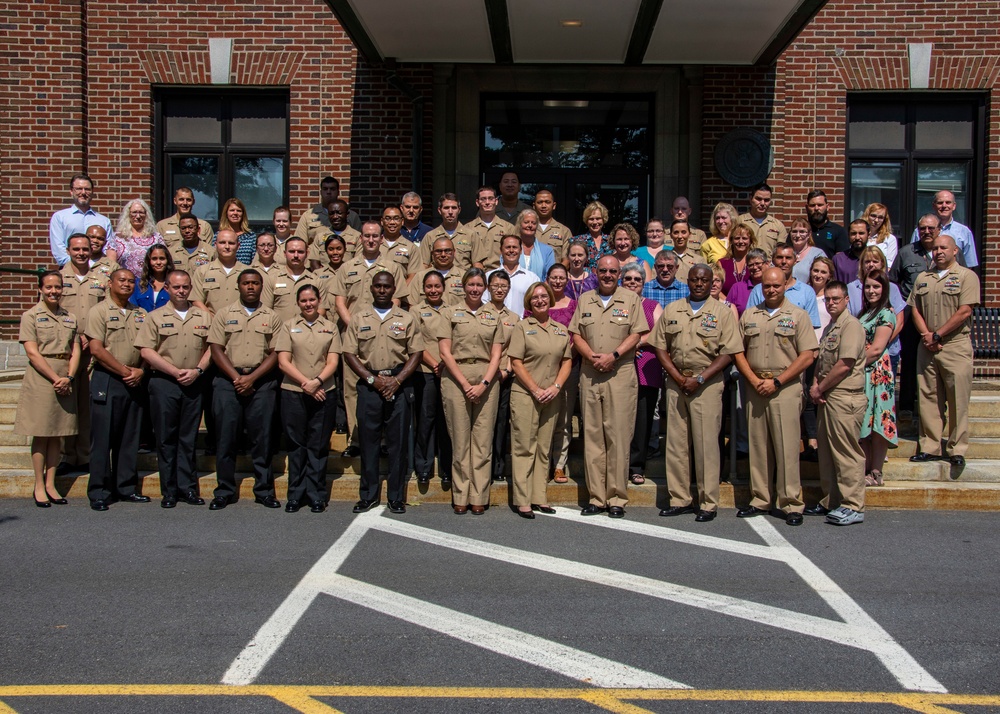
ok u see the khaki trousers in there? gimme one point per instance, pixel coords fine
(609, 404)
(773, 428)
(531, 441)
(693, 425)
(841, 458)
(351, 404)
(471, 429)
(564, 421)
(945, 383)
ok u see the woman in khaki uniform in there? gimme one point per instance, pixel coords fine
(539, 354)
(470, 341)
(46, 407)
(499, 287)
(308, 350)
(335, 248)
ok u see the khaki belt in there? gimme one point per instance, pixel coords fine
(471, 361)
(61, 356)
(766, 375)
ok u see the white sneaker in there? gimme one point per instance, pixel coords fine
(845, 517)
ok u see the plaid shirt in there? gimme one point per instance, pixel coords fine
(654, 291)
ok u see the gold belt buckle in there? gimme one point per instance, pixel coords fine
(385, 373)
(687, 372)
(766, 375)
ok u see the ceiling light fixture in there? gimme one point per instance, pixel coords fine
(571, 23)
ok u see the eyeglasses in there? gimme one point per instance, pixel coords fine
(632, 279)
(392, 219)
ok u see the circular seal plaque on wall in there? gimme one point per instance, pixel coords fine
(743, 157)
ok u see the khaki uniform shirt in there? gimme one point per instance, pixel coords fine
(280, 291)
(486, 249)
(117, 331)
(556, 236)
(279, 251)
(695, 340)
(213, 287)
(843, 339)
(510, 216)
(454, 293)
(203, 254)
(170, 229)
(508, 321)
(317, 249)
(770, 234)
(383, 344)
(106, 266)
(541, 348)
(604, 328)
(772, 342)
(472, 335)
(248, 339)
(354, 281)
(428, 318)
(182, 343)
(685, 261)
(78, 297)
(53, 333)
(694, 242)
(401, 252)
(309, 346)
(464, 240)
(939, 297)
(324, 281)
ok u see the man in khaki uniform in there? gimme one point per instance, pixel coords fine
(83, 288)
(174, 342)
(681, 211)
(550, 231)
(779, 345)
(116, 398)
(399, 249)
(169, 228)
(606, 329)
(215, 285)
(98, 260)
(191, 251)
(838, 389)
(941, 305)
(383, 347)
(282, 284)
(338, 226)
(317, 221)
(461, 236)
(242, 340)
(680, 233)
(489, 230)
(769, 230)
(694, 340)
(443, 261)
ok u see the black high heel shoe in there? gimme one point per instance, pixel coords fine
(41, 504)
(57, 501)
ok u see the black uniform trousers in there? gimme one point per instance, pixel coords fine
(645, 410)
(909, 343)
(308, 426)
(376, 417)
(432, 436)
(176, 412)
(501, 429)
(232, 413)
(116, 420)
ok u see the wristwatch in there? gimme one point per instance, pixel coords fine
(200, 371)
(370, 379)
(615, 354)
(486, 382)
(699, 379)
(777, 382)
(936, 337)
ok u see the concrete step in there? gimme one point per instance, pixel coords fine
(8, 412)
(9, 392)
(985, 406)
(9, 438)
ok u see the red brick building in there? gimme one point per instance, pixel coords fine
(867, 100)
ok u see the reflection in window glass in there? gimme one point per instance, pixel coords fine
(258, 182)
(193, 121)
(944, 127)
(876, 182)
(877, 126)
(621, 200)
(941, 176)
(258, 122)
(201, 175)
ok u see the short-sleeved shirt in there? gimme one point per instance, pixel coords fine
(938, 297)
(464, 240)
(769, 233)
(53, 332)
(309, 345)
(508, 321)
(317, 249)
(685, 261)
(354, 281)
(324, 275)
(79, 296)
(772, 342)
(694, 340)
(170, 229)
(117, 329)
(799, 294)
(486, 249)
(606, 327)
(105, 265)
(472, 334)
(653, 290)
(212, 286)
(541, 348)
(315, 223)
(248, 339)
(181, 342)
(843, 338)
(382, 344)
(280, 291)
(400, 252)
(428, 317)
(203, 254)
(556, 236)
(454, 293)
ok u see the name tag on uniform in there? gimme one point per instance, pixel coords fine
(426, 314)
(586, 314)
(295, 330)
(459, 313)
(351, 275)
(67, 285)
(167, 324)
(919, 285)
(113, 318)
(232, 322)
(671, 322)
(281, 285)
(366, 328)
(531, 332)
(209, 280)
(42, 319)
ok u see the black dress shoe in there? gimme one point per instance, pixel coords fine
(59, 501)
(445, 482)
(543, 509)
(397, 507)
(526, 514)
(955, 461)
(134, 498)
(193, 499)
(816, 510)
(268, 501)
(218, 503)
(677, 510)
(168, 502)
(292, 506)
(591, 510)
(99, 505)
(363, 505)
(794, 519)
(423, 479)
(41, 504)
(750, 511)
(317, 507)
(352, 452)
(922, 456)
(616, 512)
(705, 516)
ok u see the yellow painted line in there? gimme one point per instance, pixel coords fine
(928, 708)
(4, 709)
(612, 704)
(304, 704)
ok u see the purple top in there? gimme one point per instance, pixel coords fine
(732, 277)
(739, 295)
(846, 266)
(576, 288)
(647, 367)
(563, 315)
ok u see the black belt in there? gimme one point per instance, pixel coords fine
(98, 367)
(388, 372)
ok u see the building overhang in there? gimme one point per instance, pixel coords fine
(624, 32)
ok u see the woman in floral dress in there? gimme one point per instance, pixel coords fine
(878, 428)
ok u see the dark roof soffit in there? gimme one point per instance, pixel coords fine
(496, 13)
(789, 31)
(354, 28)
(642, 31)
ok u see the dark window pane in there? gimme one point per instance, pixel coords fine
(621, 200)
(259, 122)
(259, 183)
(944, 126)
(201, 175)
(876, 182)
(943, 176)
(877, 126)
(193, 120)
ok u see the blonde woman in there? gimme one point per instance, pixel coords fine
(881, 235)
(595, 217)
(721, 223)
(234, 218)
(135, 233)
